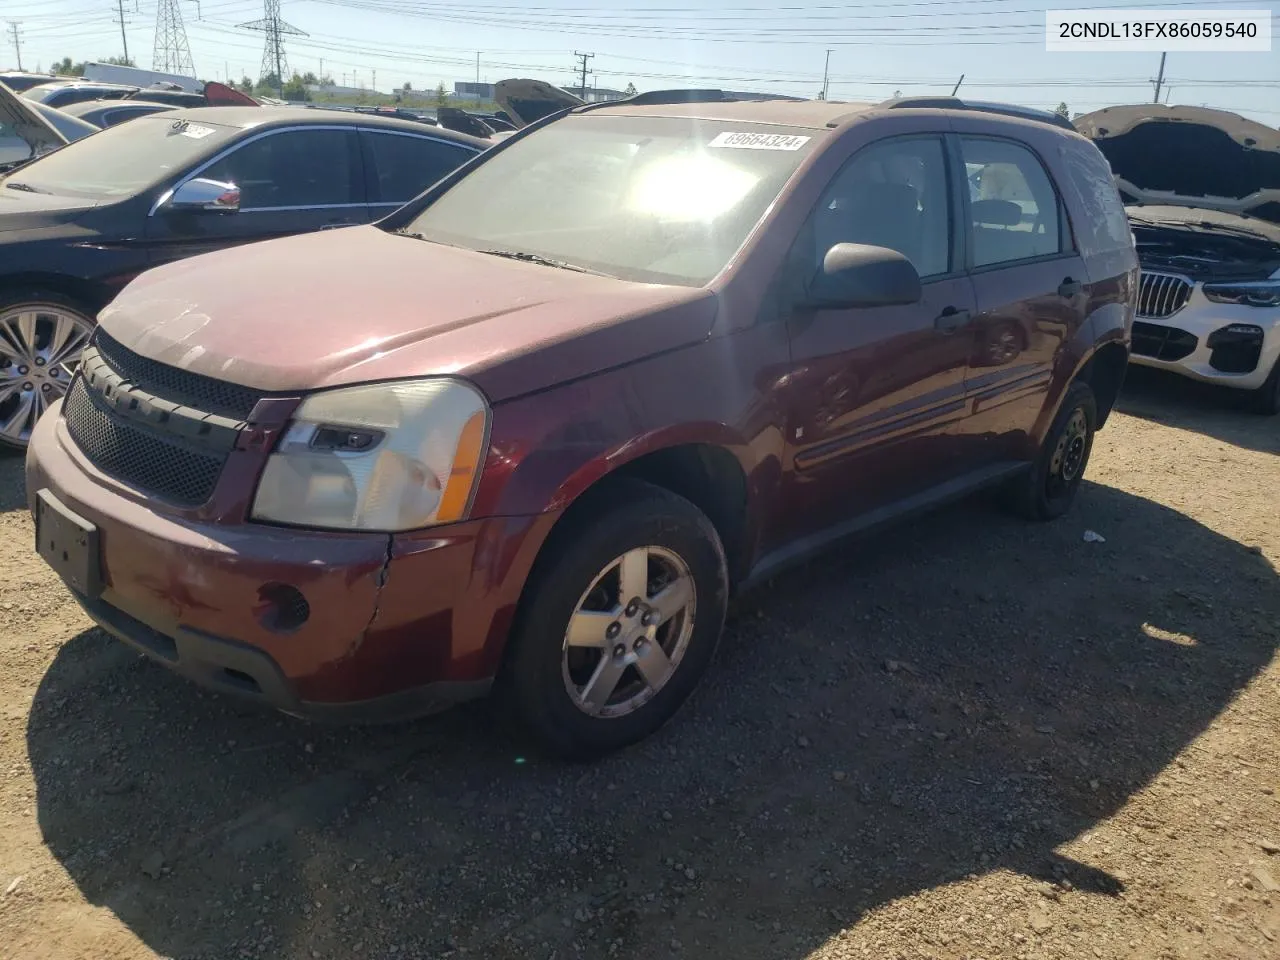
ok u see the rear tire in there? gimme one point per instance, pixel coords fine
(42, 334)
(635, 550)
(1266, 399)
(1049, 488)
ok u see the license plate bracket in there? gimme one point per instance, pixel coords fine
(69, 544)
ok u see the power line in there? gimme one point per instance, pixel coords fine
(171, 53)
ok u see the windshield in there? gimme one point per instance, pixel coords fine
(656, 199)
(122, 160)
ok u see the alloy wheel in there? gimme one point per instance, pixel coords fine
(628, 632)
(40, 347)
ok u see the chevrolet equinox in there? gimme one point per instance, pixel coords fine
(532, 430)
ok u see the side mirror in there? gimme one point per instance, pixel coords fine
(204, 196)
(857, 275)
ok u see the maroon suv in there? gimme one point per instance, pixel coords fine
(538, 426)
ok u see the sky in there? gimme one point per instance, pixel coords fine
(917, 47)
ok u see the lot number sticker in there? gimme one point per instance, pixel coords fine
(759, 141)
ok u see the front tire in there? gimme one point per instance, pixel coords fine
(41, 337)
(1266, 399)
(1049, 488)
(619, 624)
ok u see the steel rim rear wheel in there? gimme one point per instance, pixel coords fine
(40, 346)
(628, 632)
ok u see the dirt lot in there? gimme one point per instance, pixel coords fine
(966, 738)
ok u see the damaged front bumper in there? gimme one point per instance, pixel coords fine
(314, 624)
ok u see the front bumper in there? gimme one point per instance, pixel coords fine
(1195, 342)
(393, 626)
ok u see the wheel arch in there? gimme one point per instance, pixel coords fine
(93, 296)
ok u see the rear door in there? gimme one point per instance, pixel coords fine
(399, 165)
(292, 180)
(876, 394)
(1031, 289)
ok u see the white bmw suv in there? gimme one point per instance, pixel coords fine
(1202, 189)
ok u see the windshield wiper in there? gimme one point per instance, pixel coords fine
(537, 258)
(24, 187)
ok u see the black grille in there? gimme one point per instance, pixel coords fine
(192, 389)
(138, 456)
(1161, 342)
(1162, 295)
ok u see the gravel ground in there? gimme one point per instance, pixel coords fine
(963, 738)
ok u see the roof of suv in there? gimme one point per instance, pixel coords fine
(814, 114)
(809, 114)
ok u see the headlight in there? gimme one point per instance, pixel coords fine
(1261, 293)
(384, 456)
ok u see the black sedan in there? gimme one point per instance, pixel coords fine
(107, 113)
(78, 223)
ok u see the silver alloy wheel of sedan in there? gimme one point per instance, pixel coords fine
(629, 631)
(40, 345)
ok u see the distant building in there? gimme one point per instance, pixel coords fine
(341, 91)
(472, 91)
(597, 94)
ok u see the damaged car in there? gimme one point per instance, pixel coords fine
(672, 346)
(1202, 191)
(80, 221)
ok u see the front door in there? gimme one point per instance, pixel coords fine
(293, 180)
(1031, 288)
(875, 394)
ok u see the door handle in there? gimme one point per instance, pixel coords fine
(1070, 288)
(951, 320)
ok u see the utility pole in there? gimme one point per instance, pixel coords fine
(322, 68)
(584, 57)
(1160, 79)
(123, 39)
(17, 41)
(477, 66)
(373, 84)
(826, 76)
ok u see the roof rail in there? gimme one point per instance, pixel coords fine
(655, 97)
(982, 106)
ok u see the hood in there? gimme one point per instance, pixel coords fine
(221, 95)
(32, 211)
(34, 134)
(527, 101)
(360, 304)
(1223, 161)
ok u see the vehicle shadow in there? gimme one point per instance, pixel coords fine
(959, 695)
(1214, 411)
(13, 484)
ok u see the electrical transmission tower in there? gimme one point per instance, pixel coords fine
(273, 59)
(172, 54)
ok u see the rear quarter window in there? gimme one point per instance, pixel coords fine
(1102, 225)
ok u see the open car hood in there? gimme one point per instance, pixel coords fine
(222, 95)
(527, 101)
(1189, 157)
(23, 119)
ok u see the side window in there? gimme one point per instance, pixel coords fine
(1013, 209)
(1106, 225)
(294, 168)
(407, 165)
(891, 194)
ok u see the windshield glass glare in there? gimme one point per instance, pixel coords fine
(122, 160)
(656, 199)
